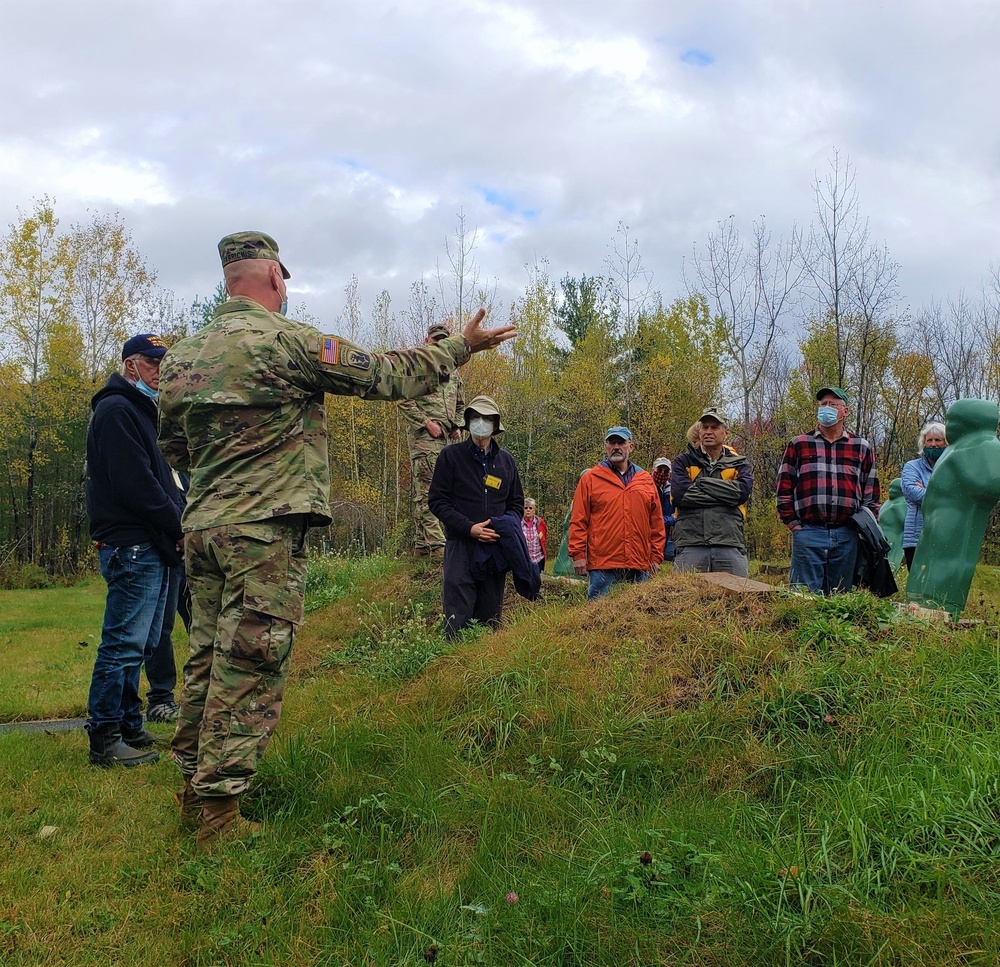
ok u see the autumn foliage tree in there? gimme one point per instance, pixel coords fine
(67, 301)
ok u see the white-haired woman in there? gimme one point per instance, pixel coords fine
(916, 473)
(535, 534)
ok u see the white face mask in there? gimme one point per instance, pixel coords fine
(480, 427)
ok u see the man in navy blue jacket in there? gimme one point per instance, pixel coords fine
(474, 482)
(135, 524)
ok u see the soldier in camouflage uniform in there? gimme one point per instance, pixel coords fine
(241, 411)
(432, 422)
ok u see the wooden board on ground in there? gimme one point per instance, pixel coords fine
(733, 583)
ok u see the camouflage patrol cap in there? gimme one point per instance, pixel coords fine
(438, 330)
(250, 245)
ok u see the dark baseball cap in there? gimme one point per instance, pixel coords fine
(147, 343)
(836, 390)
(250, 245)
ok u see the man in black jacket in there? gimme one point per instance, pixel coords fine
(474, 482)
(135, 524)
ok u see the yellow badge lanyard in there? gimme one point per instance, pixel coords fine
(489, 480)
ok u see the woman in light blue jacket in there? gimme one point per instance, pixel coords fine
(916, 473)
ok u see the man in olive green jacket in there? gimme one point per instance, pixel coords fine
(709, 488)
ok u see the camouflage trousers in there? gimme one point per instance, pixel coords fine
(424, 450)
(247, 590)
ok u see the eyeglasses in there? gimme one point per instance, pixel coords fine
(153, 361)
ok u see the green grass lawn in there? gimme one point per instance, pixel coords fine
(48, 639)
(672, 776)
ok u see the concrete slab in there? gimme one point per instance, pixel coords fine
(55, 725)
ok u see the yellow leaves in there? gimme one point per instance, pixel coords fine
(361, 491)
(111, 281)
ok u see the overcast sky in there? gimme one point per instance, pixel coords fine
(354, 132)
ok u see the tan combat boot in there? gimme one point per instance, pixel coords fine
(220, 818)
(190, 805)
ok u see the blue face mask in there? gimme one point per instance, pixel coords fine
(932, 453)
(827, 415)
(283, 308)
(143, 387)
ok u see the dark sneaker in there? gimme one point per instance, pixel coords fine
(163, 712)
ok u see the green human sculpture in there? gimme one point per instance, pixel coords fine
(563, 566)
(891, 517)
(962, 491)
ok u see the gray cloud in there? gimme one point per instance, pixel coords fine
(354, 133)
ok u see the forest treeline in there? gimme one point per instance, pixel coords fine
(762, 320)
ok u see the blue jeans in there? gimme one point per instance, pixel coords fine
(133, 614)
(823, 560)
(161, 668)
(601, 581)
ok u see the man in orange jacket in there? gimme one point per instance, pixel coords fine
(616, 530)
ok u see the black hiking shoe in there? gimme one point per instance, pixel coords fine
(107, 749)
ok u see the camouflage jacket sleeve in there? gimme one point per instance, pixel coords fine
(415, 418)
(330, 364)
(172, 442)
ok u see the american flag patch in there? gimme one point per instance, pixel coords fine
(329, 353)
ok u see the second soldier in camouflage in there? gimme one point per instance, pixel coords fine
(432, 422)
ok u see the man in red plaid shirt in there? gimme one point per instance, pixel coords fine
(826, 476)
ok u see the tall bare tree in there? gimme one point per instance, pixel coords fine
(633, 285)
(952, 337)
(462, 290)
(833, 250)
(420, 312)
(855, 287)
(750, 286)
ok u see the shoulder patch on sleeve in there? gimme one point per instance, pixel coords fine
(329, 351)
(357, 359)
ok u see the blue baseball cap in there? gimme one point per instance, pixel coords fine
(623, 431)
(147, 343)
